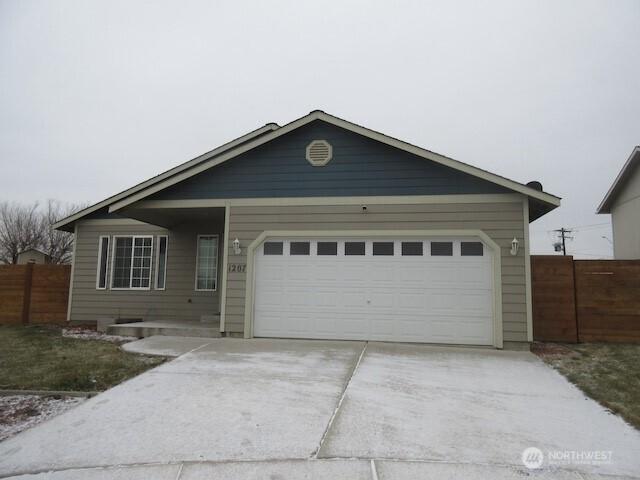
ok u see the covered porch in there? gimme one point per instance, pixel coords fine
(184, 295)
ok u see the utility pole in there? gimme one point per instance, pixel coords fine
(562, 233)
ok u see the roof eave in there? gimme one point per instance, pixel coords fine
(320, 115)
(618, 183)
(66, 224)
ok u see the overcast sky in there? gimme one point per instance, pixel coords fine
(97, 96)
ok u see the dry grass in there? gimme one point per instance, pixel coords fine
(608, 373)
(40, 358)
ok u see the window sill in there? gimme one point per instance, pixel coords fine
(130, 288)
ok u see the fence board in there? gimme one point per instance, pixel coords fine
(11, 293)
(48, 292)
(553, 297)
(608, 300)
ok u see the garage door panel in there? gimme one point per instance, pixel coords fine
(412, 326)
(475, 302)
(473, 275)
(442, 275)
(412, 300)
(418, 298)
(354, 299)
(299, 272)
(355, 324)
(410, 274)
(272, 272)
(327, 272)
(270, 296)
(327, 298)
(354, 272)
(382, 273)
(382, 325)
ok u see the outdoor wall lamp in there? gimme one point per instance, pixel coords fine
(514, 246)
(236, 247)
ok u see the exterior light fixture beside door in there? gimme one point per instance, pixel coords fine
(514, 246)
(236, 247)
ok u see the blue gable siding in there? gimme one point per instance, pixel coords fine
(360, 167)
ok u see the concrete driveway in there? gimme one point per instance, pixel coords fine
(248, 409)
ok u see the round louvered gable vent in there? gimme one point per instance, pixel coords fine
(319, 153)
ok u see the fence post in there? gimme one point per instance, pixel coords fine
(26, 297)
(575, 300)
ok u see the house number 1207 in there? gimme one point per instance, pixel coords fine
(237, 268)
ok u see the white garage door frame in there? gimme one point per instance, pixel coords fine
(269, 234)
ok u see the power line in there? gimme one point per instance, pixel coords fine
(592, 225)
(585, 227)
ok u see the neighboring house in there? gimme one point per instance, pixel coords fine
(317, 229)
(622, 201)
(33, 255)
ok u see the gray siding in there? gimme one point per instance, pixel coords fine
(500, 221)
(179, 301)
(625, 217)
(360, 167)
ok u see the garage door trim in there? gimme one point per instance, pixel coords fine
(497, 280)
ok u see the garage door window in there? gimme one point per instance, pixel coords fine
(327, 248)
(441, 249)
(383, 248)
(471, 249)
(299, 248)
(273, 248)
(411, 248)
(354, 248)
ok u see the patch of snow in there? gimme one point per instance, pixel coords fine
(88, 334)
(19, 412)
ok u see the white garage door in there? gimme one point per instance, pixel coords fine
(406, 290)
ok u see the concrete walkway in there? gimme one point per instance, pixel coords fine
(166, 346)
(253, 409)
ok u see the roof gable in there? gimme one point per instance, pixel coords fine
(621, 181)
(248, 142)
(359, 166)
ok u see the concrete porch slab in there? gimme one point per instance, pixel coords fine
(173, 329)
(166, 346)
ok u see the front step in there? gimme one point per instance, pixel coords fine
(174, 329)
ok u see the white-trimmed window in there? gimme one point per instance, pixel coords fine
(103, 263)
(131, 262)
(207, 263)
(161, 262)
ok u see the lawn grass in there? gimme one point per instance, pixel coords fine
(608, 373)
(40, 358)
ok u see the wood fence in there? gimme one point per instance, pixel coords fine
(585, 300)
(34, 293)
(573, 300)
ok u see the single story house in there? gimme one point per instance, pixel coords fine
(321, 229)
(33, 255)
(622, 201)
